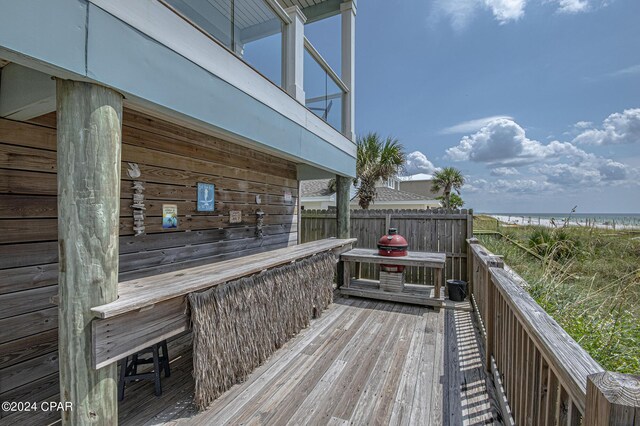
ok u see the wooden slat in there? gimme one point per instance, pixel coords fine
(26, 372)
(126, 334)
(20, 350)
(28, 324)
(26, 301)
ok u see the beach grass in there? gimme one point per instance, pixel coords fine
(592, 291)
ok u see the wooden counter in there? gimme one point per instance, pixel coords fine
(154, 308)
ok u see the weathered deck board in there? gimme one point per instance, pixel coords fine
(362, 362)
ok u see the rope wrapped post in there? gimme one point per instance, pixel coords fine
(612, 399)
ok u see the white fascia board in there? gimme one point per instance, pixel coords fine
(158, 22)
(412, 202)
(311, 199)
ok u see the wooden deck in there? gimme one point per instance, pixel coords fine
(363, 362)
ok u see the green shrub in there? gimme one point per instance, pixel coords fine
(555, 244)
(592, 288)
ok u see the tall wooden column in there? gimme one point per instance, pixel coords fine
(89, 143)
(343, 217)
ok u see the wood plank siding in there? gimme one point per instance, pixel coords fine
(172, 159)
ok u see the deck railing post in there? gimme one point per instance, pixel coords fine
(468, 238)
(89, 143)
(490, 309)
(613, 399)
(470, 264)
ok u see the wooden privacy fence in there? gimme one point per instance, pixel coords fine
(435, 230)
(542, 375)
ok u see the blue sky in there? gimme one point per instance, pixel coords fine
(536, 101)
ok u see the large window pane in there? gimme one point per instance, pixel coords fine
(259, 37)
(250, 28)
(323, 95)
(213, 16)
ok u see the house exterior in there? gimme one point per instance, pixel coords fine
(315, 195)
(143, 137)
(418, 184)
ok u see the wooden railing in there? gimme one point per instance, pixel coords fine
(542, 375)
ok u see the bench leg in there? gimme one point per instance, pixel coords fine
(156, 369)
(165, 355)
(123, 372)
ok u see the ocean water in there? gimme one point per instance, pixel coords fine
(582, 219)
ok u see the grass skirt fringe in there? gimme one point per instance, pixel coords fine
(239, 324)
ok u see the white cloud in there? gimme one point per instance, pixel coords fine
(590, 172)
(503, 142)
(583, 125)
(556, 166)
(634, 69)
(472, 125)
(504, 171)
(501, 186)
(618, 128)
(573, 6)
(461, 12)
(417, 162)
(506, 10)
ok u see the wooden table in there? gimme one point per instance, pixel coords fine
(413, 293)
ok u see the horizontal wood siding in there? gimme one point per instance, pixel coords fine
(172, 160)
(425, 230)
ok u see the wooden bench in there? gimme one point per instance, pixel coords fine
(155, 308)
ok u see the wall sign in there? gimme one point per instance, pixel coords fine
(287, 196)
(235, 216)
(206, 194)
(169, 216)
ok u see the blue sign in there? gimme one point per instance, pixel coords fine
(206, 192)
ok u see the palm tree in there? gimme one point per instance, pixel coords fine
(376, 159)
(446, 180)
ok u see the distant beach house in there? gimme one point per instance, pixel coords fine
(315, 195)
(419, 183)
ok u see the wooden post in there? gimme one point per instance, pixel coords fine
(470, 241)
(612, 399)
(490, 310)
(299, 212)
(294, 54)
(89, 142)
(343, 217)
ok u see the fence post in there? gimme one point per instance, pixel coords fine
(490, 309)
(612, 399)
